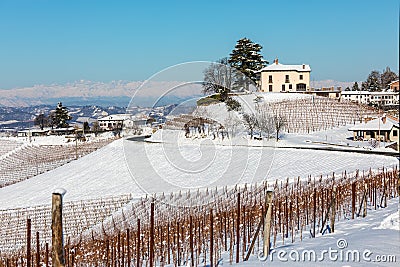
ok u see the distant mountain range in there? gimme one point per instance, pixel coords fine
(114, 93)
(330, 83)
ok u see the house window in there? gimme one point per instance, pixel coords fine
(300, 87)
(270, 79)
(301, 77)
(283, 88)
(286, 78)
(290, 86)
(270, 88)
(394, 132)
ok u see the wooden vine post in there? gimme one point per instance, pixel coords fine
(151, 259)
(28, 242)
(267, 222)
(57, 248)
(353, 199)
(238, 228)
(333, 209)
(314, 210)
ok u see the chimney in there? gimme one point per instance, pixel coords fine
(276, 61)
(304, 66)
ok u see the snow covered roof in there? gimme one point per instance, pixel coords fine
(281, 67)
(368, 93)
(356, 92)
(376, 125)
(116, 117)
(85, 119)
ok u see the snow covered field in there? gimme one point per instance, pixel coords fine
(370, 241)
(140, 168)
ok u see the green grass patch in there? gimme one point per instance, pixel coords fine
(211, 99)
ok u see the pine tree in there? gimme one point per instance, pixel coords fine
(246, 58)
(355, 87)
(60, 116)
(373, 82)
(387, 77)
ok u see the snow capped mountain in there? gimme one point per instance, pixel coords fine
(110, 93)
(330, 83)
(89, 92)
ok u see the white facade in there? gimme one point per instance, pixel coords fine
(285, 78)
(113, 121)
(366, 97)
(118, 121)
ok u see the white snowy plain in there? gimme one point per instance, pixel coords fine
(140, 168)
(370, 241)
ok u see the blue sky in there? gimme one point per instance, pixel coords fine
(43, 42)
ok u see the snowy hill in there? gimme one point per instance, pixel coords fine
(140, 168)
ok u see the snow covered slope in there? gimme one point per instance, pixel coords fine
(143, 168)
(359, 242)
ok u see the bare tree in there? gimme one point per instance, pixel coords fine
(95, 128)
(279, 123)
(265, 121)
(250, 122)
(218, 78)
(231, 123)
(41, 120)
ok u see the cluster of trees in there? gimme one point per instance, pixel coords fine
(264, 121)
(57, 118)
(235, 73)
(376, 81)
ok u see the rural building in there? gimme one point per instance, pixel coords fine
(394, 86)
(112, 122)
(118, 121)
(362, 97)
(32, 132)
(385, 98)
(285, 78)
(383, 129)
(329, 92)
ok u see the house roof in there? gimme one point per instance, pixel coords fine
(376, 125)
(368, 93)
(116, 117)
(282, 67)
(356, 92)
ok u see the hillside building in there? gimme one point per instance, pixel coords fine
(386, 98)
(112, 122)
(394, 86)
(285, 78)
(382, 129)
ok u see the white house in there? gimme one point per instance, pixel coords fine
(118, 121)
(115, 121)
(386, 98)
(363, 97)
(285, 78)
(383, 129)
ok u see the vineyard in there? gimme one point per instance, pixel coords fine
(24, 162)
(319, 113)
(194, 227)
(302, 115)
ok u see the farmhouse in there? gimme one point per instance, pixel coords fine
(394, 86)
(112, 122)
(32, 132)
(117, 121)
(386, 98)
(382, 129)
(285, 78)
